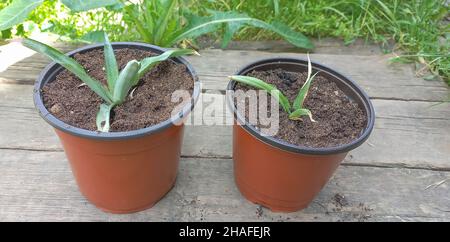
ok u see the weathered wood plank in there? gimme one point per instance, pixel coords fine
(400, 128)
(36, 183)
(408, 134)
(323, 46)
(38, 186)
(374, 73)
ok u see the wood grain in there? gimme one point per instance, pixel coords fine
(400, 127)
(38, 186)
(389, 178)
(374, 73)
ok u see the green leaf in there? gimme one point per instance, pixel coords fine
(84, 5)
(149, 17)
(118, 6)
(70, 64)
(17, 12)
(6, 34)
(201, 25)
(161, 25)
(172, 26)
(112, 70)
(300, 99)
(276, 7)
(148, 63)
(97, 36)
(301, 112)
(230, 30)
(272, 90)
(295, 38)
(127, 79)
(103, 117)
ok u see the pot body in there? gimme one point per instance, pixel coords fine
(280, 180)
(121, 172)
(124, 176)
(282, 176)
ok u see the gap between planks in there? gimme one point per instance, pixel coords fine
(41, 187)
(373, 73)
(400, 127)
(212, 157)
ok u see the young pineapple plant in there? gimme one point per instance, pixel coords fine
(119, 83)
(297, 109)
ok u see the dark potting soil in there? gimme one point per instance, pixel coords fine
(150, 103)
(339, 120)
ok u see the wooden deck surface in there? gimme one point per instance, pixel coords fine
(402, 173)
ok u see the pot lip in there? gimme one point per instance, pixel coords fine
(97, 135)
(280, 144)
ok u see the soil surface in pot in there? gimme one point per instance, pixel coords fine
(339, 120)
(150, 103)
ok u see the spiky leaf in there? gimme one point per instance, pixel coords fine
(201, 25)
(163, 20)
(301, 96)
(148, 63)
(127, 79)
(103, 117)
(71, 65)
(272, 90)
(301, 112)
(112, 70)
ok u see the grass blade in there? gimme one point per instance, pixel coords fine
(71, 65)
(148, 17)
(257, 83)
(133, 12)
(103, 117)
(163, 20)
(301, 112)
(276, 7)
(300, 99)
(127, 79)
(148, 63)
(112, 70)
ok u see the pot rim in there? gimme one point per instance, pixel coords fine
(53, 68)
(283, 145)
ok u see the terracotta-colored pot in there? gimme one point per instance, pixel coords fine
(281, 176)
(121, 172)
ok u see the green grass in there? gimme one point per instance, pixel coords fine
(417, 26)
(52, 16)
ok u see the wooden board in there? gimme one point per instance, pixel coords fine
(38, 186)
(400, 126)
(379, 79)
(322, 46)
(387, 179)
(374, 73)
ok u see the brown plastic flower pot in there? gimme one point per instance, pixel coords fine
(281, 176)
(121, 172)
